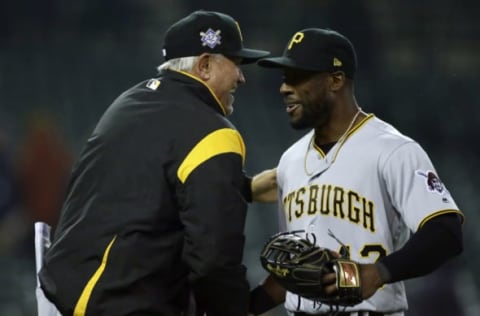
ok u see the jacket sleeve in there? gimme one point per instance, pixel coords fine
(213, 212)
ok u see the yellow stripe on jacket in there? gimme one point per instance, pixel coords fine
(82, 302)
(221, 141)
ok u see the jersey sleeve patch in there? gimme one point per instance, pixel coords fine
(222, 141)
(432, 182)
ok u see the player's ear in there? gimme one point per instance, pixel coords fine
(337, 80)
(203, 66)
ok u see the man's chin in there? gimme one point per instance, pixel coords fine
(228, 109)
(299, 125)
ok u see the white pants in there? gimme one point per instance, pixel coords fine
(42, 242)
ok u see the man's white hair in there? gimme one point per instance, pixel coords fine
(182, 63)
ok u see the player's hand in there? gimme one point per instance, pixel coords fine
(370, 281)
(330, 280)
(330, 283)
(264, 186)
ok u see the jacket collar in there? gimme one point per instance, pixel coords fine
(198, 87)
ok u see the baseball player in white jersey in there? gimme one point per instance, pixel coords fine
(355, 180)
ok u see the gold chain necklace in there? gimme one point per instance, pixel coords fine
(339, 141)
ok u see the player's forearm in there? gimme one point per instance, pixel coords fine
(264, 186)
(431, 246)
(371, 279)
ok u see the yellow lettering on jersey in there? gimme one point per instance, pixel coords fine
(353, 211)
(370, 250)
(287, 204)
(338, 202)
(312, 201)
(299, 202)
(346, 248)
(297, 38)
(332, 200)
(368, 220)
(324, 207)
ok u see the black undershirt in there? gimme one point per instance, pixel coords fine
(436, 242)
(326, 147)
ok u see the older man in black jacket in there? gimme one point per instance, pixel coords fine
(156, 205)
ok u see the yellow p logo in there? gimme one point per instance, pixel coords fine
(297, 38)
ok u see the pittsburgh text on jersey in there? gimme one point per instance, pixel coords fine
(330, 200)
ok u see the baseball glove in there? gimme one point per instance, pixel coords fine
(299, 266)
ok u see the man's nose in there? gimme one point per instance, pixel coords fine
(285, 88)
(241, 77)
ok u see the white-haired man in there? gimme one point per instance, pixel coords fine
(155, 209)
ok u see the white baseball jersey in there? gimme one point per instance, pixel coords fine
(370, 190)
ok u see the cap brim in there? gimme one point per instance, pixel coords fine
(282, 62)
(249, 55)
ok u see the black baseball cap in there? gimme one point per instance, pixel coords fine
(316, 49)
(208, 32)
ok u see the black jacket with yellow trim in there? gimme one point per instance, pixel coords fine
(154, 209)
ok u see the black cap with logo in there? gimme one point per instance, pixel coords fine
(208, 32)
(315, 49)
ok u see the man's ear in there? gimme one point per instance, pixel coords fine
(203, 66)
(337, 80)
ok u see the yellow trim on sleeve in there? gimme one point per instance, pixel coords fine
(221, 141)
(81, 306)
(429, 217)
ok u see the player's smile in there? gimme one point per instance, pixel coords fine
(292, 103)
(291, 107)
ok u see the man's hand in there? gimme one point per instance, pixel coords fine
(370, 280)
(264, 186)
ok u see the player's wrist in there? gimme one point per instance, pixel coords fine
(383, 271)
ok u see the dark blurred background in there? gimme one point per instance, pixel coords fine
(63, 62)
